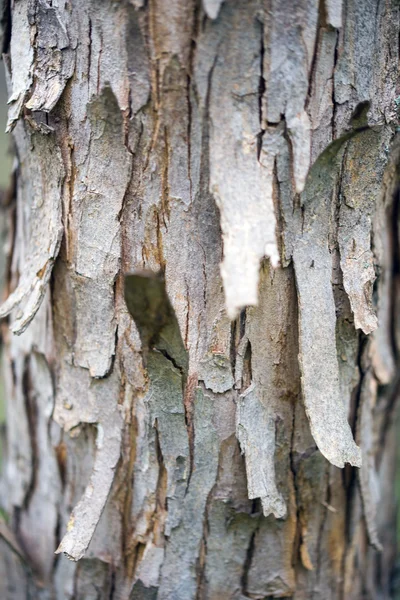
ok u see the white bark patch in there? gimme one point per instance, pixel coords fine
(21, 55)
(334, 13)
(39, 211)
(212, 7)
(255, 430)
(242, 190)
(241, 185)
(247, 221)
(300, 136)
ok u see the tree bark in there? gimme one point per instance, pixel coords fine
(219, 425)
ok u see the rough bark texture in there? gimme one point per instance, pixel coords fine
(241, 158)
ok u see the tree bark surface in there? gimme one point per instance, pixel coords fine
(220, 424)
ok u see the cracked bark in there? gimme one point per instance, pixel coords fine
(175, 433)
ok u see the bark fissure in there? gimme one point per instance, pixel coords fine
(31, 411)
(241, 163)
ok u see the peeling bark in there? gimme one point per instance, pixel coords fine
(203, 266)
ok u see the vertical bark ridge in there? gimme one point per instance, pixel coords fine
(247, 155)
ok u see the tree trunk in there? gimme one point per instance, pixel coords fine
(220, 425)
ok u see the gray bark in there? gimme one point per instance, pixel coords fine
(221, 424)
